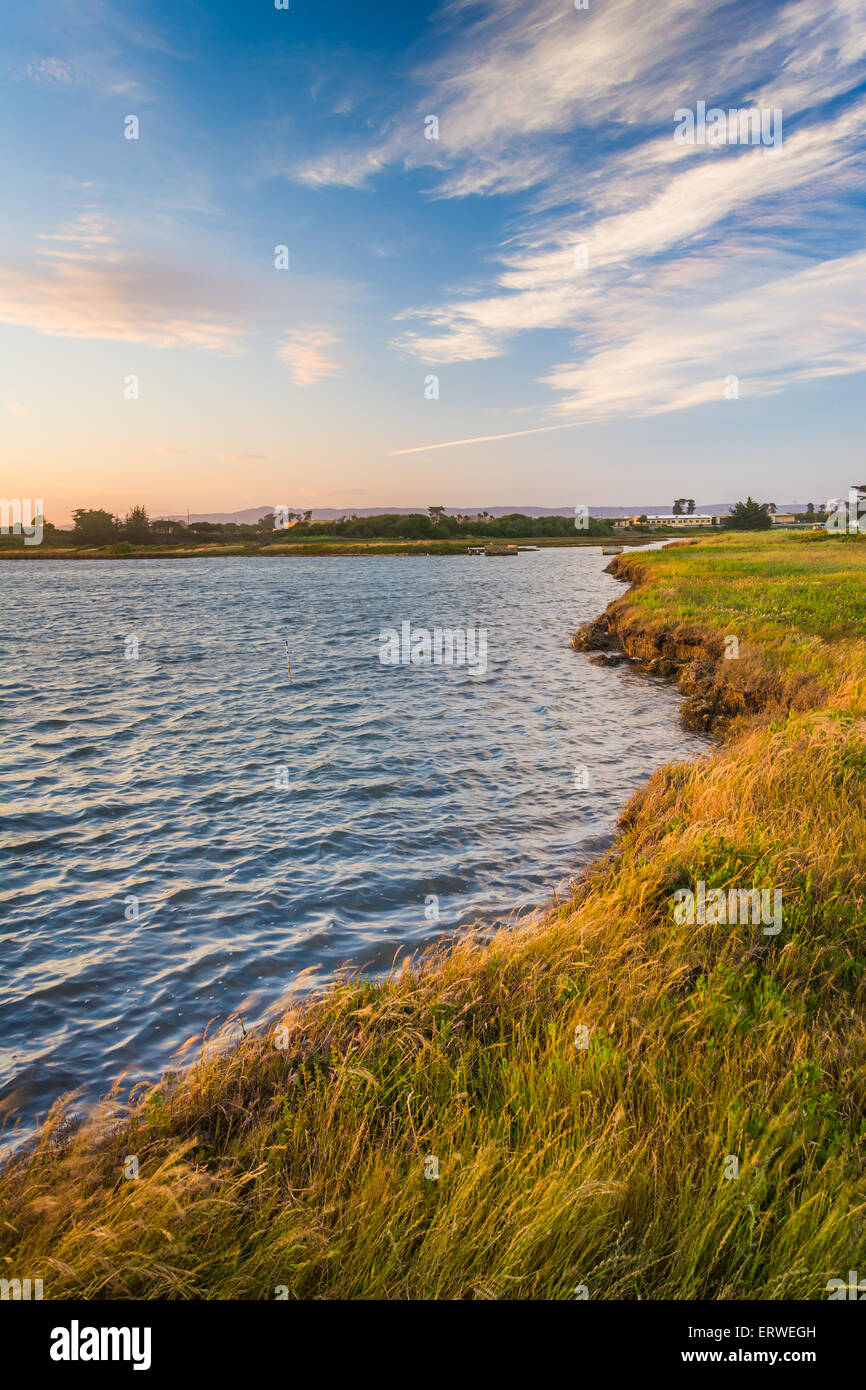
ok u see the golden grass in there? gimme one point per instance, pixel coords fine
(302, 1166)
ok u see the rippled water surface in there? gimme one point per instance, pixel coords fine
(156, 778)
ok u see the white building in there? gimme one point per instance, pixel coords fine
(686, 519)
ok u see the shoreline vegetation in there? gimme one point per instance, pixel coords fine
(97, 535)
(299, 548)
(558, 1111)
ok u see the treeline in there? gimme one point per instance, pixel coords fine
(430, 526)
(95, 527)
(100, 528)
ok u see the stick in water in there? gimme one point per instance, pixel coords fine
(288, 664)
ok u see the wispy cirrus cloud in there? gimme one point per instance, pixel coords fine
(84, 281)
(574, 111)
(512, 75)
(49, 70)
(666, 212)
(305, 353)
(804, 325)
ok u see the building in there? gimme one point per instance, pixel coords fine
(786, 518)
(686, 519)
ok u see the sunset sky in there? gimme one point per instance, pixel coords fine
(410, 256)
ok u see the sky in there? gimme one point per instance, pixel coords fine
(493, 234)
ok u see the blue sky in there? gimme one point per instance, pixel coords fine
(555, 258)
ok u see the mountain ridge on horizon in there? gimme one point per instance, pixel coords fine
(250, 515)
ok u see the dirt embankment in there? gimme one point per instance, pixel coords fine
(721, 680)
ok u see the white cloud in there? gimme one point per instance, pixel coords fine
(520, 73)
(83, 281)
(669, 234)
(50, 70)
(575, 109)
(804, 325)
(83, 284)
(664, 210)
(304, 353)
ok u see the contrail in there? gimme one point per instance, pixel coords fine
(486, 438)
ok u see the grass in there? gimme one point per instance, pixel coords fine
(157, 551)
(296, 1160)
(785, 589)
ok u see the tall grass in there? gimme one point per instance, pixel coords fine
(301, 1160)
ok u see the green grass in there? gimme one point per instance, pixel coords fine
(158, 551)
(784, 588)
(303, 1165)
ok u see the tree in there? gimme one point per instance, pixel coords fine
(690, 505)
(678, 506)
(436, 514)
(167, 526)
(414, 527)
(93, 527)
(749, 516)
(137, 524)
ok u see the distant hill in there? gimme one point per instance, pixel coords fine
(252, 514)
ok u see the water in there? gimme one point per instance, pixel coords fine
(155, 779)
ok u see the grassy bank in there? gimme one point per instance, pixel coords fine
(298, 1158)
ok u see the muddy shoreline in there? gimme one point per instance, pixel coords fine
(694, 658)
